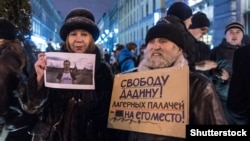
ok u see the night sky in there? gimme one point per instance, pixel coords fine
(97, 7)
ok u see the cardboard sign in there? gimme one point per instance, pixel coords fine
(155, 102)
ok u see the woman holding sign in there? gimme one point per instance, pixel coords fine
(70, 114)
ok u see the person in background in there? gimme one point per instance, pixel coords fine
(164, 49)
(198, 28)
(14, 122)
(118, 48)
(106, 55)
(238, 101)
(180, 15)
(141, 55)
(127, 57)
(223, 55)
(70, 114)
(50, 47)
(114, 58)
(66, 76)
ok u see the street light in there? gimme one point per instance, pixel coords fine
(109, 38)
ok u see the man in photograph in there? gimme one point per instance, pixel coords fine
(66, 76)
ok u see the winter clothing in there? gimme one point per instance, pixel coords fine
(180, 10)
(199, 20)
(13, 65)
(246, 39)
(202, 50)
(129, 63)
(239, 92)
(234, 25)
(73, 115)
(203, 98)
(189, 48)
(79, 18)
(223, 55)
(177, 13)
(11, 68)
(12, 117)
(163, 31)
(7, 30)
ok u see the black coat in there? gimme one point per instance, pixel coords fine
(10, 68)
(223, 55)
(239, 90)
(71, 115)
(13, 63)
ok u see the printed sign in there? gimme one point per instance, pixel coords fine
(155, 101)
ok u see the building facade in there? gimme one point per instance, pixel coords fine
(46, 23)
(136, 17)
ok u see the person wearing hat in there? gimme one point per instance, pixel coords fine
(69, 114)
(223, 55)
(164, 49)
(13, 120)
(180, 14)
(200, 25)
(198, 28)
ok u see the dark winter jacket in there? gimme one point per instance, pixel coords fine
(71, 115)
(223, 55)
(204, 109)
(239, 91)
(12, 63)
(202, 52)
(10, 69)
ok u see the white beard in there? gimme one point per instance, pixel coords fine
(179, 62)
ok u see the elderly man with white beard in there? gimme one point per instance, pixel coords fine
(164, 49)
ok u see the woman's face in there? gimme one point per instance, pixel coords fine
(79, 40)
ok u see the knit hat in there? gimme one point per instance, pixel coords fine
(180, 10)
(79, 18)
(167, 31)
(199, 20)
(7, 29)
(234, 25)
